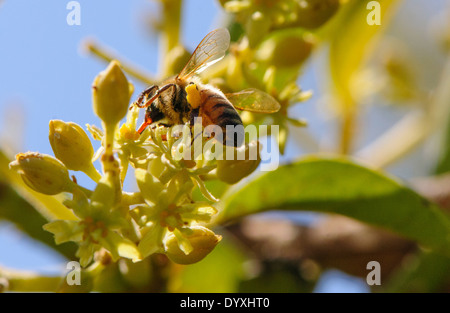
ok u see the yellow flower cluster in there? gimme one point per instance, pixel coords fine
(162, 217)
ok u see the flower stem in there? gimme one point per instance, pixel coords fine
(93, 173)
(18, 281)
(110, 164)
(86, 191)
(347, 129)
(132, 198)
(108, 160)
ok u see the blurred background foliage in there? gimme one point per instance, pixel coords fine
(383, 92)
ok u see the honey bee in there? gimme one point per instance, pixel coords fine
(183, 98)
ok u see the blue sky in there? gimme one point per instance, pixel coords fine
(43, 71)
(44, 75)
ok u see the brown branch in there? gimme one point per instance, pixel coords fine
(334, 242)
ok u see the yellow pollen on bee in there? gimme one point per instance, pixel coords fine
(193, 96)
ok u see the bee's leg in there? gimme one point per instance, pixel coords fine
(147, 102)
(157, 95)
(144, 95)
(164, 88)
(173, 97)
(193, 115)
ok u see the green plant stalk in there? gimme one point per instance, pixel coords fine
(86, 191)
(412, 130)
(19, 281)
(170, 32)
(108, 160)
(132, 198)
(398, 141)
(347, 130)
(349, 45)
(93, 173)
(110, 164)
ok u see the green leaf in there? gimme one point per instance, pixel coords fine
(14, 208)
(425, 273)
(337, 185)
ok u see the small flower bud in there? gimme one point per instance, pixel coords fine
(43, 173)
(285, 48)
(111, 94)
(314, 13)
(235, 6)
(256, 27)
(232, 170)
(71, 145)
(202, 240)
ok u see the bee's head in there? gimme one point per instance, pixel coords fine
(154, 113)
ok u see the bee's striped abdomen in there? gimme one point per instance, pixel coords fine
(219, 111)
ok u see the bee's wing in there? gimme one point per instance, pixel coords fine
(254, 100)
(210, 50)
